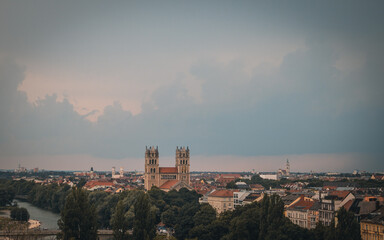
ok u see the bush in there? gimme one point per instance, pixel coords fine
(20, 214)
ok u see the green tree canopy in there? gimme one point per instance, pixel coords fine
(144, 223)
(119, 222)
(20, 214)
(6, 196)
(347, 226)
(78, 218)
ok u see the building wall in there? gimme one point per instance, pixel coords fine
(152, 175)
(221, 204)
(371, 231)
(298, 217)
(326, 212)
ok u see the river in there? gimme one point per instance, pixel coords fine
(47, 218)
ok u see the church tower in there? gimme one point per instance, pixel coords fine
(182, 164)
(287, 168)
(152, 176)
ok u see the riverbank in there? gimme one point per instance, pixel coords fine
(5, 213)
(47, 219)
(33, 224)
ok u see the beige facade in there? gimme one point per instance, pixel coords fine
(371, 230)
(221, 200)
(157, 176)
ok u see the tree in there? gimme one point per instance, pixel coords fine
(6, 196)
(20, 214)
(205, 216)
(119, 222)
(78, 218)
(347, 226)
(144, 223)
(169, 216)
(185, 220)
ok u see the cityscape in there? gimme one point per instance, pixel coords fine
(191, 120)
(309, 200)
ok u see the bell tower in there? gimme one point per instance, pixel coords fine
(152, 176)
(287, 168)
(182, 164)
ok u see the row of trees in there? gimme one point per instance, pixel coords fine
(79, 219)
(176, 209)
(191, 220)
(256, 179)
(50, 197)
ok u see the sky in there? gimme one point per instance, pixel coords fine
(245, 84)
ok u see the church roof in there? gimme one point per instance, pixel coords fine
(222, 193)
(168, 169)
(168, 184)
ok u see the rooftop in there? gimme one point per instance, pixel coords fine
(168, 169)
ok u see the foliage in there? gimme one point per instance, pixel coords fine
(144, 223)
(50, 197)
(347, 226)
(78, 218)
(180, 210)
(119, 222)
(6, 196)
(205, 215)
(20, 214)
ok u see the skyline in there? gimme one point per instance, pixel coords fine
(244, 85)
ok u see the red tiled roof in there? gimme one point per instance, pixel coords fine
(339, 194)
(256, 186)
(303, 203)
(222, 193)
(168, 169)
(91, 184)
(348, 205)
(168, 184)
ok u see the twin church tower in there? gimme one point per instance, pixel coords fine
(161, 176)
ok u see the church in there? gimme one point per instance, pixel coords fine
(167, 178)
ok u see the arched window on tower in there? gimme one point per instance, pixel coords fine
(186, 162)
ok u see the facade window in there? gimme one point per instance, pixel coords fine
(168, 176)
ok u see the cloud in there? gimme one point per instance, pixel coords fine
(212, 79)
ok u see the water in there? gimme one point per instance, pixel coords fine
(47, 218)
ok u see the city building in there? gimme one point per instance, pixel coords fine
(373, 226)
(221, 200)
(303, 212)
(238, 197)
(284, 172)
(331, 203)
(167, 178)
(115, 175)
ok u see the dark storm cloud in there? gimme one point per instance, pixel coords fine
(314, 101)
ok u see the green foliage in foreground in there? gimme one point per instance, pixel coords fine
(78, 218)
(266, 220)
(20, 214)
(6, 195)
(179, 210)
